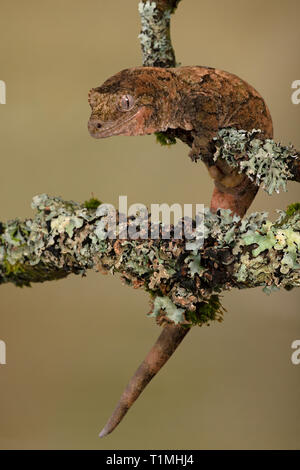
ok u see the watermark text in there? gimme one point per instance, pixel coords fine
(2, 352)
(2, 92)
(295, 357)
(296, 94)
(163, 221)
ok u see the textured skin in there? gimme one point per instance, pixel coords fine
(191, 103)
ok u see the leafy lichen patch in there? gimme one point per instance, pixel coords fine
(183, 278)
(265, 162)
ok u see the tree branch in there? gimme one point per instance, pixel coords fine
(182, 277)
(155, 35)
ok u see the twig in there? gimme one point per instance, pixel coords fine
(155, 35)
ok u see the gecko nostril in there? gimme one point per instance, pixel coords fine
(99, 125)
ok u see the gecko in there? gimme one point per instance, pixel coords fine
(190, 103)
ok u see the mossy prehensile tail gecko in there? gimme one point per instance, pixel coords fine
(190, 103)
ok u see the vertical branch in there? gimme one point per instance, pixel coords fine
(155, 35)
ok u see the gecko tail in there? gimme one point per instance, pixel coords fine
(166, 344)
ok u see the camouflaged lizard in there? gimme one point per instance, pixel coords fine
(190, 103)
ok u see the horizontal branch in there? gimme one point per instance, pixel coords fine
(183, 277)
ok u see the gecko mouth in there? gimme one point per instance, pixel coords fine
(99, 130)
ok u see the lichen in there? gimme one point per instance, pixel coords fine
(184, 281)
(194, 265)
(265, 162)
(171, 312)
(155, 35)
(275, 252)
(265, 239)
(164, 310)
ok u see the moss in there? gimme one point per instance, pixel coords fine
(13, 269)
(292, 208)
(206, 312)
(22, 275)
(164, 139)
(92, 204)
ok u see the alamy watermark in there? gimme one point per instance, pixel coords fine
(295, 357)
(135, 222)
(2, 352)
(2, 92)
(296, 94)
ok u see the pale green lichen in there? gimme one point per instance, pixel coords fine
(155, 35)
(265, 162)
(265, 239)
(65, 224)
(64, 238)
(164, 310)
(220, 226)
(173, 313)
(269, 289)
(194, 264)
(280, 245)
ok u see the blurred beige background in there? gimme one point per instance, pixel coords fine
(73, 345)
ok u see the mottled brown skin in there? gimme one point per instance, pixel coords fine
(192, 104)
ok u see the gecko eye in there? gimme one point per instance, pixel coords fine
(126, 103)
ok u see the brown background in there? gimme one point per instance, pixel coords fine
(72, 345)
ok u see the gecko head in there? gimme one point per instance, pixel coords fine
(133, 102)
